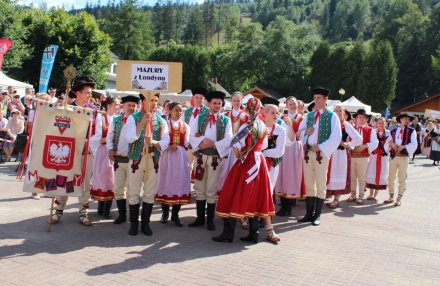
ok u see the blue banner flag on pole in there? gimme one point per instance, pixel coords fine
(46, 66)
(387, 112)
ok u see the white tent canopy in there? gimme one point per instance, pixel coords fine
(353, 104)
(18, 85)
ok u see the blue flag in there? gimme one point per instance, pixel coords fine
(46, 66)
(387, 112)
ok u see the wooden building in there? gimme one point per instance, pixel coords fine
(419, 107)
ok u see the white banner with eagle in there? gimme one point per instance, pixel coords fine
(56, 150)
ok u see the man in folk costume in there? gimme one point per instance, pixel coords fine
(190, 114)
(210, 137)
(403, 146)
(144, 154)
(290, 184)
(338, 174)
(236, 114)
(360, 155)
(322, 135)
(81, 92)
(117, 146)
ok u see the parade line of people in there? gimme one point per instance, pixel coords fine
(239, 161)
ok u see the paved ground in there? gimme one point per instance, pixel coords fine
(374, 244)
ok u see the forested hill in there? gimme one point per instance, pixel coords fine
(381, 51)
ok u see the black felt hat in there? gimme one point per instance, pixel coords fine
(269, 100)
(361, 112)
(215, 94)
(199, 90)
(402, 115)
(321, 90)
(131, 98)
(79, 85)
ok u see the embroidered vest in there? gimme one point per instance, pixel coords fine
(117, 122)
(366, 136)
(177, 136)
(135, 148)
(220, 124)
(380, 150)
(189, 112)
(406, 138)
(325, 126)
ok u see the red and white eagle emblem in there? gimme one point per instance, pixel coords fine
(59, 152)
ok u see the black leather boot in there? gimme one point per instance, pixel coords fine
(122, 210)
(200, 220)
(253, 231)
(175, 215)
(282, 210)
(134, 219)
(228, 231)
(165, 213)
(318, 208)
(309, 210)
(145, 218)
(210, 217)
(100, 208)
(106, 210)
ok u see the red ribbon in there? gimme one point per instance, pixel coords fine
(211, 119)
(195, 112)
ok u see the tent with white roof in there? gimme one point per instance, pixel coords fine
(6, 81)
(353, 104)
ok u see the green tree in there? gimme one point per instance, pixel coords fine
(193, 33)
(136, 40)
(80, 42)
(285, 53)
(377, 82)
(436, 64)
(195, 60)
(351, 19)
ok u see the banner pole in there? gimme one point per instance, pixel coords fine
(51, 214)
(147, 130)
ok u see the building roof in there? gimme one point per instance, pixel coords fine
(260, 92)
(432, 102)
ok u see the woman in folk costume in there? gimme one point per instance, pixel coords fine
(290, 184)
(238, 117)
(101, 183)
(277, 141)
(435, 144)
(338, 174)
(246, 192)
(174, 185)
(426, 139)
(378, 165)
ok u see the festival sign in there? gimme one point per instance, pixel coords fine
(55, 155)
(149, 76)
(432, 114)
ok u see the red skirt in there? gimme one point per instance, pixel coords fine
(246, 194)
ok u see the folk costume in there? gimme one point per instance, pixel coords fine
(189, 116)
(378, 165)
(327, 136)
(83, 200)
(359, 160)
(435, 145)
(102, 180)
(218, 128)
(290, 184)
(144, 167)
(246, 192)
(117, 141)
(174, 186)
(238, 118)
(426, 142)
(277, 142)
(338, 175)
(401, 136)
